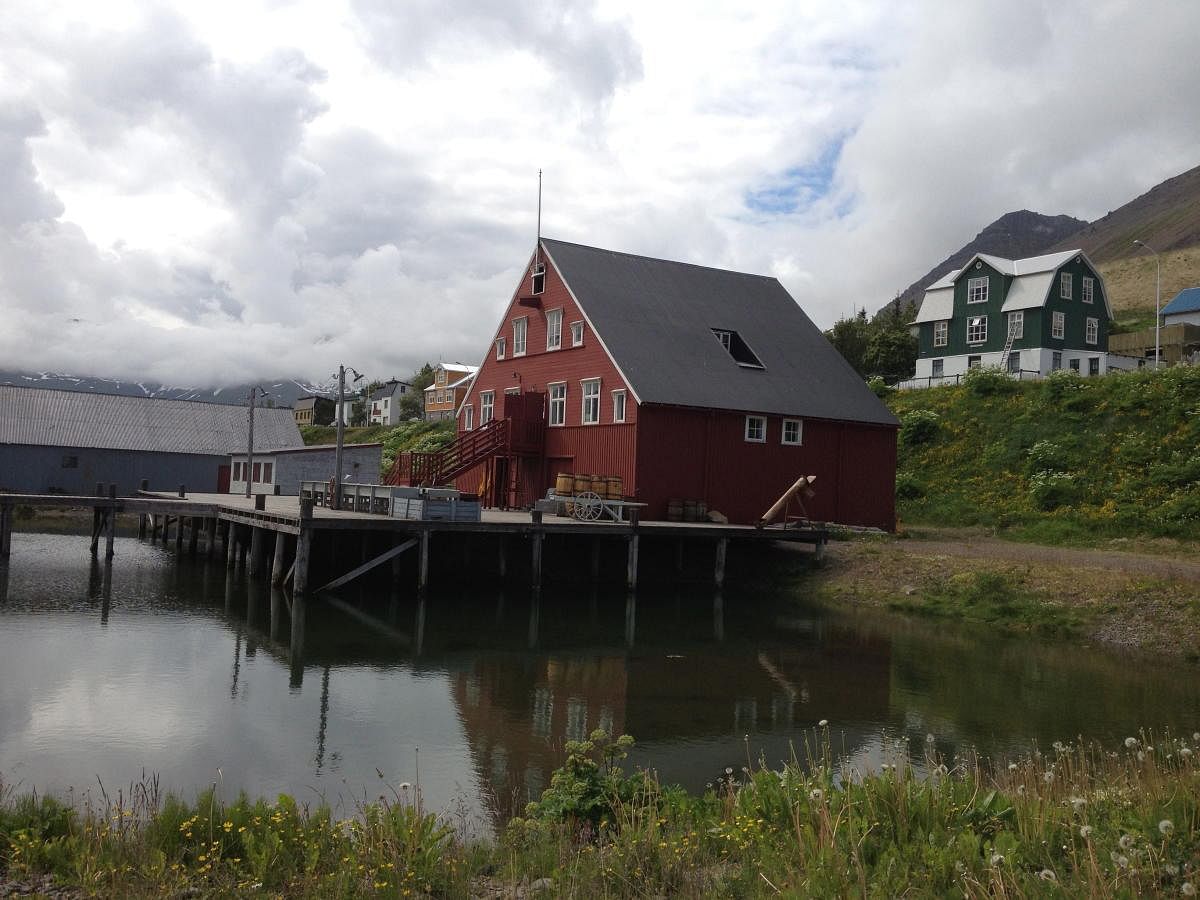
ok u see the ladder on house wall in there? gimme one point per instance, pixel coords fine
(1008, 345)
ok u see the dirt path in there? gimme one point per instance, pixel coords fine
(984, 547)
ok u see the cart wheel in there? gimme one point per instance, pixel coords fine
(588, 506)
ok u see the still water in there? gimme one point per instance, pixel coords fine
(177, 668)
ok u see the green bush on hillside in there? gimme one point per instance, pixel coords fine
(988, 381)
(918, 427)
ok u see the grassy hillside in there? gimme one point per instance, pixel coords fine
(1065, 459)
(418, 435)
(1130, 281)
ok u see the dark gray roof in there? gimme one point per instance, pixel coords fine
(388, 389)
(657, 318)
(73, 419)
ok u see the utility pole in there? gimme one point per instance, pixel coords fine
(249, 474)
(1157, 299)
(341, 427)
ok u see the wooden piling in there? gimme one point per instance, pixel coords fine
(256, 552)
(423, 561)
(6, 522)
(178, 535)
(230, 545)
(144, 485)
(719, 566)
(537, 538)
(278, 567)
(303, 548)
(193, 535)
(96, 519)
(210, 535)
(631, 562)
(111, 535)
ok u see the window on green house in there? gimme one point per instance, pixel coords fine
(977, 290)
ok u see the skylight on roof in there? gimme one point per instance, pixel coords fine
(737, 348)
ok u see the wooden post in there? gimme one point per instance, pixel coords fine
(538, 536)
(166, 529)
(230, 546)
(5, 531)
(296, 644)
(111, 535)
(182, 492)
(719, 567)
(819, 550)
(193, 535)
(303, 548)
(153, 527)
(631, 567)
(300, 566)
(630, 618)
(178, 535)
(276, 612)
(211, 536)
(277, 564)
(142, 487)
(96, 514)
(256, 552)
(423, 561)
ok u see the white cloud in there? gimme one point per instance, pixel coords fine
(231, 191)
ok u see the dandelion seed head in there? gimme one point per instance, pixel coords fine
(823, 723)
(997, 858)
(1131, 742)
(1125, 842)
(1060, 747)
(1188, 889)
(1048, 777)
(404, 785)
(1185, 752)
(1047, 875)
(1141, 756)
(1196, 736)
(817, 794)
(1166, 826)
(1012, 767)
(1120, 859)
(729, 770)
(1078, 803)
(1085, 831)
(929, 739)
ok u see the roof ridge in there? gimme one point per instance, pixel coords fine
(657, 259)
(30, 387)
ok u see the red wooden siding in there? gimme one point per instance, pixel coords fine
(692, 454)
(539, 367)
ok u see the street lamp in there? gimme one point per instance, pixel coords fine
(1157, 296)
(341, 426)
(254, 392)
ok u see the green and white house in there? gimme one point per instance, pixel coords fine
(1029, 316)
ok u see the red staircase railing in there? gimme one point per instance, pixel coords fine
(464, 453)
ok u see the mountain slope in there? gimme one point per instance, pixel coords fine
(1013, 235)
(1167, 217)
(283, 392)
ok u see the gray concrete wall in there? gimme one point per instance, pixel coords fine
(39, 470)
(359, 465)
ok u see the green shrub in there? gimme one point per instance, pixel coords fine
(987, 381)
(1047, 456)
(918, 427)
(880, 388)
(908, 487)
(1050, 490)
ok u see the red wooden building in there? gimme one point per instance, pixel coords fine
(689, 383)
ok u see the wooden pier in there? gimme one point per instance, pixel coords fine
(276, 537)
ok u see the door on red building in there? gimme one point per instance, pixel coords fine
(222, 479)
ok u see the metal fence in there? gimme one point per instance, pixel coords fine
(913, 384)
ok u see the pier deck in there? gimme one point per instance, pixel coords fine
(243, 524)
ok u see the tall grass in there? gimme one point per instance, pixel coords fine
(1080, 820)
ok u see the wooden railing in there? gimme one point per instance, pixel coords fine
(457, 458)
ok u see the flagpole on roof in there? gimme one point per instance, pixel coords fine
(537, 249)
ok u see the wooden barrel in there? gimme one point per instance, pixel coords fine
(599, 486)
(583, 483)
(615, 489)
(674, 510)
(564, 484)
(689, 510)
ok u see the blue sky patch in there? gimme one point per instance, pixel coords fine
(797, 188)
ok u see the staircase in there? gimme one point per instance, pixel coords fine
(442, 467)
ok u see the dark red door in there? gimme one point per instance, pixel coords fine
(222, 479)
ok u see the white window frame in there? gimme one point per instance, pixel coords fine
(554, 329)
(618, 405)
(501, 346)
(981, 330)
(1091, 331)
(1058, 325)
(520, 335)
(1016, 323)
(577, 334)
(1087, 292)
(761, 423)
(799, 438)
(487, 407)
(1056, 359)
(590, 388)
(977, 289)
(1065, 285)
(941, 333)
(468, 417)
(937, 367)
(558, 404)
(539, 269)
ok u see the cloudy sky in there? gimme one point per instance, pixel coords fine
(217, 191)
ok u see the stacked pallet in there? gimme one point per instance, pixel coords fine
(435, 505)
